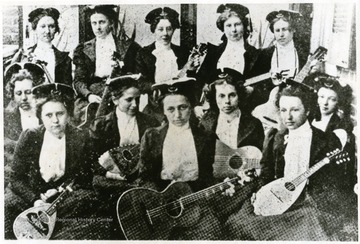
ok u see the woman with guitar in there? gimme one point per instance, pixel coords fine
(57, 64)
(124, 128)
(316, 211)
(46, 157)
(161, 60)
(179, 151)
(106, 55)
(235, 129)
(234, 52)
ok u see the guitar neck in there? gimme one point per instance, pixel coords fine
(205, 193)
(257, 79)
(304, 72)
(186, 67)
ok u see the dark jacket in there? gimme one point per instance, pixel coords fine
(26, 180)
(250, 130)
(207, 71)
(145, 63)
(104, 134)
(12, 125)
(85, 63)
(151, 158)
(63, 66)
(325, 186)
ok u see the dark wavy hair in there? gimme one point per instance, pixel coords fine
(54, 97)
(240, 90)
(307, 96)
(39, 13)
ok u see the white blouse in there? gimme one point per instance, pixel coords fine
(166, 66)
(227, 128)
(52, 157)
(285, 58)
(297, 152)
(28, 119)
(128, 128)
(180, 161)
(233, 56)
(45, 52)
(104, 50)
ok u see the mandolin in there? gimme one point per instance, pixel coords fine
(279, 195)
(121, 160)
(197, 51)
(146, 214)
(268, 113)
(229, 161)
(37, 223)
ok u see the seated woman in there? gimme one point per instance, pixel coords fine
(123, 128)
(161, 60)
(180, 151)
(19, 114)
(104, 56)
(233, 127)
(48, 156)
(44, 23)
(333, 115)
(318, 211)
(234, 52)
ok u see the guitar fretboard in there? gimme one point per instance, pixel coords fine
(257, 79)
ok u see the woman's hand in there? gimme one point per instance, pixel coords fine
(94, 98)
(44, 197)
(114, 176)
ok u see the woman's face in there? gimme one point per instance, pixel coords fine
(101, 25)
(292, 112)
(164, 32)
(283, 32)
(22, 94)
(233, 28)
(46, 29)
(55, 118)
(177, 109)
(327, 101)
(227, 98)
(129, 101)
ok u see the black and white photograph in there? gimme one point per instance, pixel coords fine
(179, 120)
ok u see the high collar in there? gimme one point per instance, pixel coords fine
(302, 130)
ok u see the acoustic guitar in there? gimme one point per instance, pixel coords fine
(229, 161)
(279, 195)
(268, 113)
(197, 51)
(37, 223)
(146, 214)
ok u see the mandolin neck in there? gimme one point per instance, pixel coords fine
(304, 176)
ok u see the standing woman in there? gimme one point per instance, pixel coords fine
(44, 23)
(180, 151)
(48, 156)
(101, 57)
(161, 60)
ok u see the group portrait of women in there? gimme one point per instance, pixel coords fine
(143, 137)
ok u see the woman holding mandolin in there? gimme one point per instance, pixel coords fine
(57, 64)
(313, 209)
(121, 129)
(46, 157)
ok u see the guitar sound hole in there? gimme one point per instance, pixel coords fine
(235, 162)
(290, 186)
(127, 155)
(174, 209)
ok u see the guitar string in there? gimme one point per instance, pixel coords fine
(191, 197)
